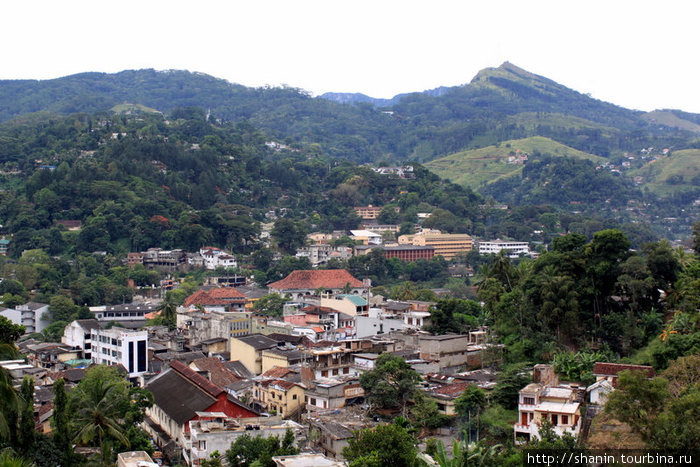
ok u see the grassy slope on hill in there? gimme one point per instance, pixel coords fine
(478, 167)
(671, 174)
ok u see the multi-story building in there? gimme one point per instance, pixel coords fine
(164, 260)
(248, 350)
(368, 212)
(512, 249)
(333, 393)
(446, 245)
(4, 246)
(222, 299)
(117, 346)
(321, 253)
(78, 335)
(409, 252)
(126, 313)
(211, 432)
(200, 326)
(216, 258)
(329, 362)
(34, 316)
(279, 396)
(544, 400)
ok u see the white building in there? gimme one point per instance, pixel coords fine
(378, 321)
(215, 258)
(544, 400)
(366, 237)
(321, 253)
(31, 315)
(214, 431)
(513, 249)
(129, 312)
(121, 346)
(78, 335)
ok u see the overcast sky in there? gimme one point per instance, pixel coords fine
(637, 54)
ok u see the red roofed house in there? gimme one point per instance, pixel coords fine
(221, 299)
(606, 379)
(302, 283)
(610, 371)
(180, 394)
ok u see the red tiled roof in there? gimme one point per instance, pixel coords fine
(315, 279)
(218, 373)
(196, 378)
(318, 329)
(286, 385)
(277, 372)
(612, 369)
(220, 296)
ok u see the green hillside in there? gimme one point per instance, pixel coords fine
(479, 167)
(670, 119)
(673, 174)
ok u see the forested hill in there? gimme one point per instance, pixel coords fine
(419, 126)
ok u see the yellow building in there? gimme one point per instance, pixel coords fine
(446, 245)
(368, 212)
(279, 357)
(248, 350)
(279, 396)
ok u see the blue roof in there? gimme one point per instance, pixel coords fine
(356, 299)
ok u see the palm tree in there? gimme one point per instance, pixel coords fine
(9, 403)
(9, 459)
(98, 414)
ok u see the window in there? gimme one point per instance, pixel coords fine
(294, 397)
(529, 400)
(555, 420)
(202, 445)
(564, 419)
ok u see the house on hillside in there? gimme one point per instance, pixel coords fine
(546, 399)
(330, 282)
(606, 379)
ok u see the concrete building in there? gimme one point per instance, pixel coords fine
(214, 431)
(248, 350)
(367, 237)
(512, 249)
(409, 252)
(320, 254)
(118, 346)
(307, 460)
(35, 316)
(135, 459)
(368, 212)
(545, 399)
(78, 335)
(222, 299)
(123, 314)
(333, 393)
(279, 396)
(201, 326)
(446, 245)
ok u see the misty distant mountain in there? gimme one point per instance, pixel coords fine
(354, 98)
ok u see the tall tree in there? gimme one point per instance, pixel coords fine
(27, 433)
(391, 384)
(384, 445)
